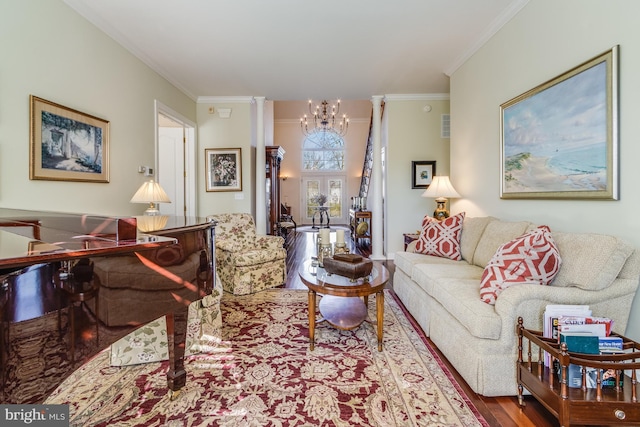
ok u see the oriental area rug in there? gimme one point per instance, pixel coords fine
(262, 373)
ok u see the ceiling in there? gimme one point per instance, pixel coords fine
(301, 49)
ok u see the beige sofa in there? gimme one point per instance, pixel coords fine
(479, 339)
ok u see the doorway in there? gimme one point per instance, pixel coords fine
(334, 188)
(175, 163)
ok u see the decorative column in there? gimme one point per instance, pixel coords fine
(375, 192)
(261, 172)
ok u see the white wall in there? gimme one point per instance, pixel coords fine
(50, 51)
(413, 134)
(546, 39)
(233, 132)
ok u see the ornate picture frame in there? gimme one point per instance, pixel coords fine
(422, 173)
(66, 144)
(223, 168)
(560, 139)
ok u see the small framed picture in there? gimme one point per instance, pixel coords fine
(422, 173)
(223, 169)
(67, 145)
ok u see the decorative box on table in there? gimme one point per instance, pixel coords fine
(349, 265)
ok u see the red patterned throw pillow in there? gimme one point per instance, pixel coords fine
(441, 238)
(532, 258)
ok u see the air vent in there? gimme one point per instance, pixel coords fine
(445, 126)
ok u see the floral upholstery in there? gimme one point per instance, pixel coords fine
(245, 262)
(149, 343)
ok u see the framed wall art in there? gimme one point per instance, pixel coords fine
(560, 139)
(422, 173)
(66, 144)
(224, 169)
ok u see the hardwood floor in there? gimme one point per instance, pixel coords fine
(498, 411)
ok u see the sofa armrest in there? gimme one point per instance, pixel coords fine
(269, 242)
(530, 301)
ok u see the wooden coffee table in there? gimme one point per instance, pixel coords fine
(342, 304)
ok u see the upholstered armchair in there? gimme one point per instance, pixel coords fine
(247, 263)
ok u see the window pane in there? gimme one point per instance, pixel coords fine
(335, 198)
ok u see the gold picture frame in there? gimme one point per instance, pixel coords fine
(223, 168)
(560, 139)
(66, 144)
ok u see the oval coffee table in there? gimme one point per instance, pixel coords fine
(342, 305)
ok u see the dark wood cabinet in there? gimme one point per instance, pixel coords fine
(274, 156)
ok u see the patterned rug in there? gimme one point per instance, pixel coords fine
(262, 373)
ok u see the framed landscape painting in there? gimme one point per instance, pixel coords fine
(224, 169)
(67, 145)
(560, 139)
(422, 173)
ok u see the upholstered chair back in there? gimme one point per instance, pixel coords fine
(238, 228)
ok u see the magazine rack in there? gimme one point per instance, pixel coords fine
(584, 406)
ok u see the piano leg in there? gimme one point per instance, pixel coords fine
(176, 336)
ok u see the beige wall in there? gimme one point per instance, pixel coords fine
(412, 134)
(234, 132)
(50, 51)
(544, 40)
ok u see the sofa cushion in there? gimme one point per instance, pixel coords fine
(441, 238)
(495, 234)
(590, 261)
(460, 298)
(533, 258)
(427, 276)
(472, 229)
(405, 261)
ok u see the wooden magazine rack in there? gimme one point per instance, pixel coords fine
(584, 406)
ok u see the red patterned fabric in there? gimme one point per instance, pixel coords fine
(532, 258)
(441, 238)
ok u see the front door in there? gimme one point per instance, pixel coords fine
(334, 188)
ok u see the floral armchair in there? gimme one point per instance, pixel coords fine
(247, 263)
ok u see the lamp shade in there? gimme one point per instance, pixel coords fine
(151, 192)
(440, 187)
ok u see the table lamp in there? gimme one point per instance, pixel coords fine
(150, 192)
(440, 188)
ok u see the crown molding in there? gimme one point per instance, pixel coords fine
(225, 99)
(495, 26)
(417, 97)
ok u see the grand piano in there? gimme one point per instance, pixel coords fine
(105, 276)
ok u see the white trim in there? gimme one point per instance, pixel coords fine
(501, 20)
(225, 99)
(190, 153)
(417, 97)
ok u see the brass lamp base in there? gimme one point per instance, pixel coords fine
(441, 211)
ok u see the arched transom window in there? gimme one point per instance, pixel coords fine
(323, 151)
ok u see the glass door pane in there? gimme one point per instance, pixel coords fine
(333, 188)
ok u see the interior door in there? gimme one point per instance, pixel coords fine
(175, 170)
(334, 187)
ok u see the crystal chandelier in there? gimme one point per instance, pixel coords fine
(323, 119)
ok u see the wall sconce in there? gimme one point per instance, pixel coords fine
(284, 177)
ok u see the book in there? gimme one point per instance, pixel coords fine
(551, 315)
(597, 329)
(585, 320)
(580, 342)
(610, 344)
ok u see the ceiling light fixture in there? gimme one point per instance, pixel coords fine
(323, 119)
